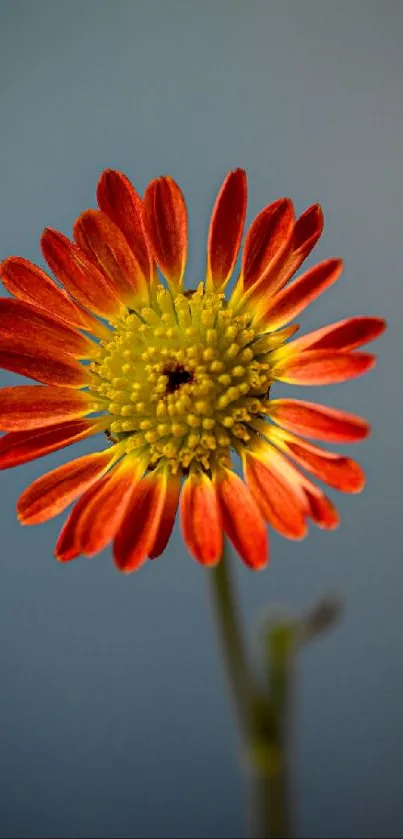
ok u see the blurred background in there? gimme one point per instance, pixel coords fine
(114, 716)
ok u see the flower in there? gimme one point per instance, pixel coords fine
(178, 380)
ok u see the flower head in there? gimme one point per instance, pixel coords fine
(179, 380)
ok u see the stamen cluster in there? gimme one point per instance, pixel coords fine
(183, 378)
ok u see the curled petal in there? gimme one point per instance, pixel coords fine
(140, 527)
(22, 446)
(242, 520)
(346, 335)
(321, 367)
(312, 501)
(200, 519)
(28, 283)
(168, 516)
(106, 247)
(318, 421)
(293, 299)
(308, 229)
(50, 494)
(165, 219)
(79, 275)
(32, 328)
(35, 406)
(267, 240)
(226, 228)
(337, 471)
(279, 504)
(120, 201)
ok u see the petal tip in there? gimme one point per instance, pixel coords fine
(380, 325)
(260, 565)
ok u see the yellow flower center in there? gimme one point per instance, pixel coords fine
(183, 379)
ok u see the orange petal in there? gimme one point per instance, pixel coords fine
(289, 302)
(322, 367)
(200, 519)
(22, 446)
(242, 519)
(42, 366)
(338, 471)
(313, 502)
(102, 516)
(28, 283)
(308, 229)
(67, 546)
(321, 510)
(168, 516)
(23, 321)
(120, 201)
(165, 219)
(141, 524)
(279, 504)
(318, 421)
(35, 406)
(106, 247)
(50, 494)
(226, 228)
(267, 240)
(345, 335)
(80, 277)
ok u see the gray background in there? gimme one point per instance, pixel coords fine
(114, 717)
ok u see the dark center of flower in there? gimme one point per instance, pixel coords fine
(177, 376)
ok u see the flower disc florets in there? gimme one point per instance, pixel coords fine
(183, 379)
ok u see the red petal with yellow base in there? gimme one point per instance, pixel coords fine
(168, 516)
(119, 200)
(165, 220)
(242, 520)
(346, 335)
(307, 230)
(313, 502)
(106, 247)
(226, 228)
(200, 519)
(267, 240)
(36, 406)
(42, 366)
(318, 421)
(50, 494)
(80, 277)
(101, 517)
(337, 471)
(22, 321)
(289, 302)
(321, 367)
(280, 506)
(19, 447)
(28, 283)
(140, 527)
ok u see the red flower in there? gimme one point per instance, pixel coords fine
(177, 380)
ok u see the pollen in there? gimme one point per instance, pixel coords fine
(184, 379)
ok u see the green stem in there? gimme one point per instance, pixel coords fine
(231, 639)
(262, 715)
(273, 794)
